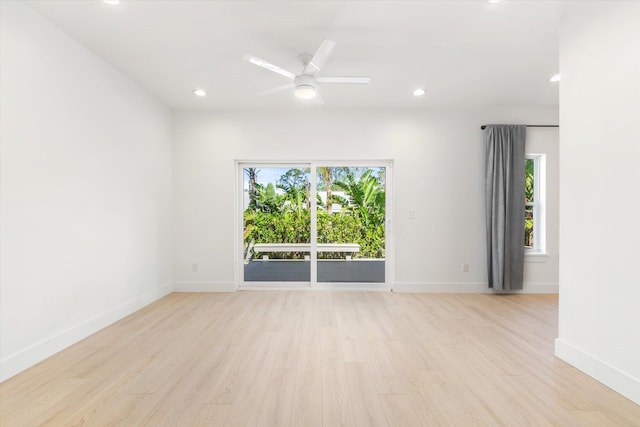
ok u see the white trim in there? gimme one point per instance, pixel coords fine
(274, 286)
(320, 286)
(539, 204)
(413, 287)
(439, 287)
(351, 286)
(238, 224)
(536, 257)
(389, 237)
(540, 288)
(313, 227)
(204, 287)
(35, 353)
(620, 381)
(469, 288)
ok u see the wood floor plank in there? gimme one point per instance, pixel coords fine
(278, 403)
(399, 411)
(209, 415)
(367, 405)
(337, 409)
(448, 402)
(381, 369)
(297, 358)
(307, 396)
(252, 386)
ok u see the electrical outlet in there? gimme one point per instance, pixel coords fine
(194, 267)
(465, 268)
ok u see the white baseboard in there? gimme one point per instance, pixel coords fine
(622, 382)
(293, 286)
(439, 287)
(29, 356)
(469, 288)
(540, 288)
(204, 287)
(414, 287)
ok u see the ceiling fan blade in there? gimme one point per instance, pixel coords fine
(318, 99)
(320, 57)
(277, 89)
(269, 66)
(359, 80)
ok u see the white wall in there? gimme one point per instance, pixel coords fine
(438, 174)
(86, 192)
(599, 326)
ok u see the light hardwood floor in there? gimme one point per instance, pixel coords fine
(318, 358)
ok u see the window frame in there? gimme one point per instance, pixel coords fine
(539, 205)
(241, 284)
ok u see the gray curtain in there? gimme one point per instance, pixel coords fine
(504, 203)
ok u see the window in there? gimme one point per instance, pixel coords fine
(315, 224)
(534, 220)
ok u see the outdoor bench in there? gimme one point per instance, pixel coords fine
(264, 248)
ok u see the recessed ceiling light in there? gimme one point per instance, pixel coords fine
(419, 92)
(112, 2)
(200, 92)
(555, 78)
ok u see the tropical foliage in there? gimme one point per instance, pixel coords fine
(528, 197)
(284, 216)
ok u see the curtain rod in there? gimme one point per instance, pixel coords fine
(530, 126)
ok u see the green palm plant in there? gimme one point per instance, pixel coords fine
(366, 196)
(327, 175)
(267, 200)
(295, 185)
(528, 180)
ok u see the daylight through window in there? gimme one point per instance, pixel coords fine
(534, 203)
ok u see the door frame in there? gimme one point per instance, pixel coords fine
(313, 284)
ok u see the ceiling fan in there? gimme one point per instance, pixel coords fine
(305, 83)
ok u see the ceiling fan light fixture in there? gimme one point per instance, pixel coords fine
(305, 92)
(304, 84)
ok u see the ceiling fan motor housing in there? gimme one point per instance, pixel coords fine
(305, 80)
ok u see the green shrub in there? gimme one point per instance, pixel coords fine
(294, 227)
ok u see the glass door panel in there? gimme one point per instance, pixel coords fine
(276, 224)
(351, 224)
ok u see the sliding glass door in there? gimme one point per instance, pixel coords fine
(350, 222)
(314, 224)
(276, 224)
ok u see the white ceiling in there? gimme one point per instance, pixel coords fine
(465, 53)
